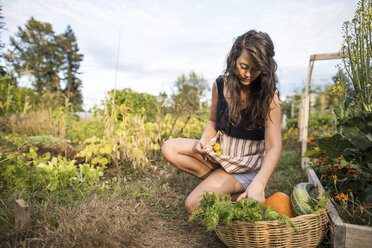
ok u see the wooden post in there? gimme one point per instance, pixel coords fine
(322, 102)
(21, 214)
(300, 118)
(305, 112)
(306, 101)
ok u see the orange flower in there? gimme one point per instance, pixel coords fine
(316, 148)
(320, 161)
(349, 166)
(295, 138)
(353, 172)
(340, 158)
(341, 197)
(337, 166)
(327, 158)
(335, 177)
(310, 139)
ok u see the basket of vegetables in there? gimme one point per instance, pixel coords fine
(283, 221)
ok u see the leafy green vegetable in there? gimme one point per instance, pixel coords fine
(219, 208)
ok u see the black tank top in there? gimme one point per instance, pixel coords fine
(222, 123)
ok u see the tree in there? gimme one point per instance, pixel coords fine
(70, 68)
(190, 90)
(34, 51)
(50, 59)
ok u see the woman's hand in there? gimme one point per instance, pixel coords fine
(255, 190)
(199, 147)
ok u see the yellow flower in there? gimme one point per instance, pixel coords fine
(217, 147)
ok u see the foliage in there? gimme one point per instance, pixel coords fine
(39, 122)
(321, 124)
(14, 99)
(96, 151)
(189, 91)
(78, 130)
(353, 144)
(137, 103)
(349, 182)
(202, 114)
(71, 66)
(126, 143)
(170, 126)
(18, 141)
(37, 51)
(357, 47)
(219, 208)
(29, 173)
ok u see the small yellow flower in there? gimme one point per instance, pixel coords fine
(335, 178)
(217, 147)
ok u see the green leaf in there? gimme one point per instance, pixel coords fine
(358, 138)
(309, 153)
(335, 145)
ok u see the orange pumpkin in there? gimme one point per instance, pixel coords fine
(281, 203)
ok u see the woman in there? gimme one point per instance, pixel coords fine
(245, 106)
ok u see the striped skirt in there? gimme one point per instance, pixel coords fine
(237, 155)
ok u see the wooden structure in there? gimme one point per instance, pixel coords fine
(305, 104)
(21, 214)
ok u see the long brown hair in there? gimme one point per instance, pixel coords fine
(261, 91)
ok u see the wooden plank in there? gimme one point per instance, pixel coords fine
(326, 56)
(338, 229)
(21, 214)
(358, 236)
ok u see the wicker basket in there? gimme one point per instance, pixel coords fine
(311, 228)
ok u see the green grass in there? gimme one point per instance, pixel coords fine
(287, 174)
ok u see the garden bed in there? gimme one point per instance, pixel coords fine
(343, 234)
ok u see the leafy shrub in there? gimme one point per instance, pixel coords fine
(137, 103)
(79, 130)
(29, 173)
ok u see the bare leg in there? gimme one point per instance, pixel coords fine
(219, 181)
(182, 154)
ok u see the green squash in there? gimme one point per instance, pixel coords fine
(304, 198)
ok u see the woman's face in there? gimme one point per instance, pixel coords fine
(246, 68)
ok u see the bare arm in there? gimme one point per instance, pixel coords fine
(209, 131)
(273, 147)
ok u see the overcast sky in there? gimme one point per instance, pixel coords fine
(163, 39)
